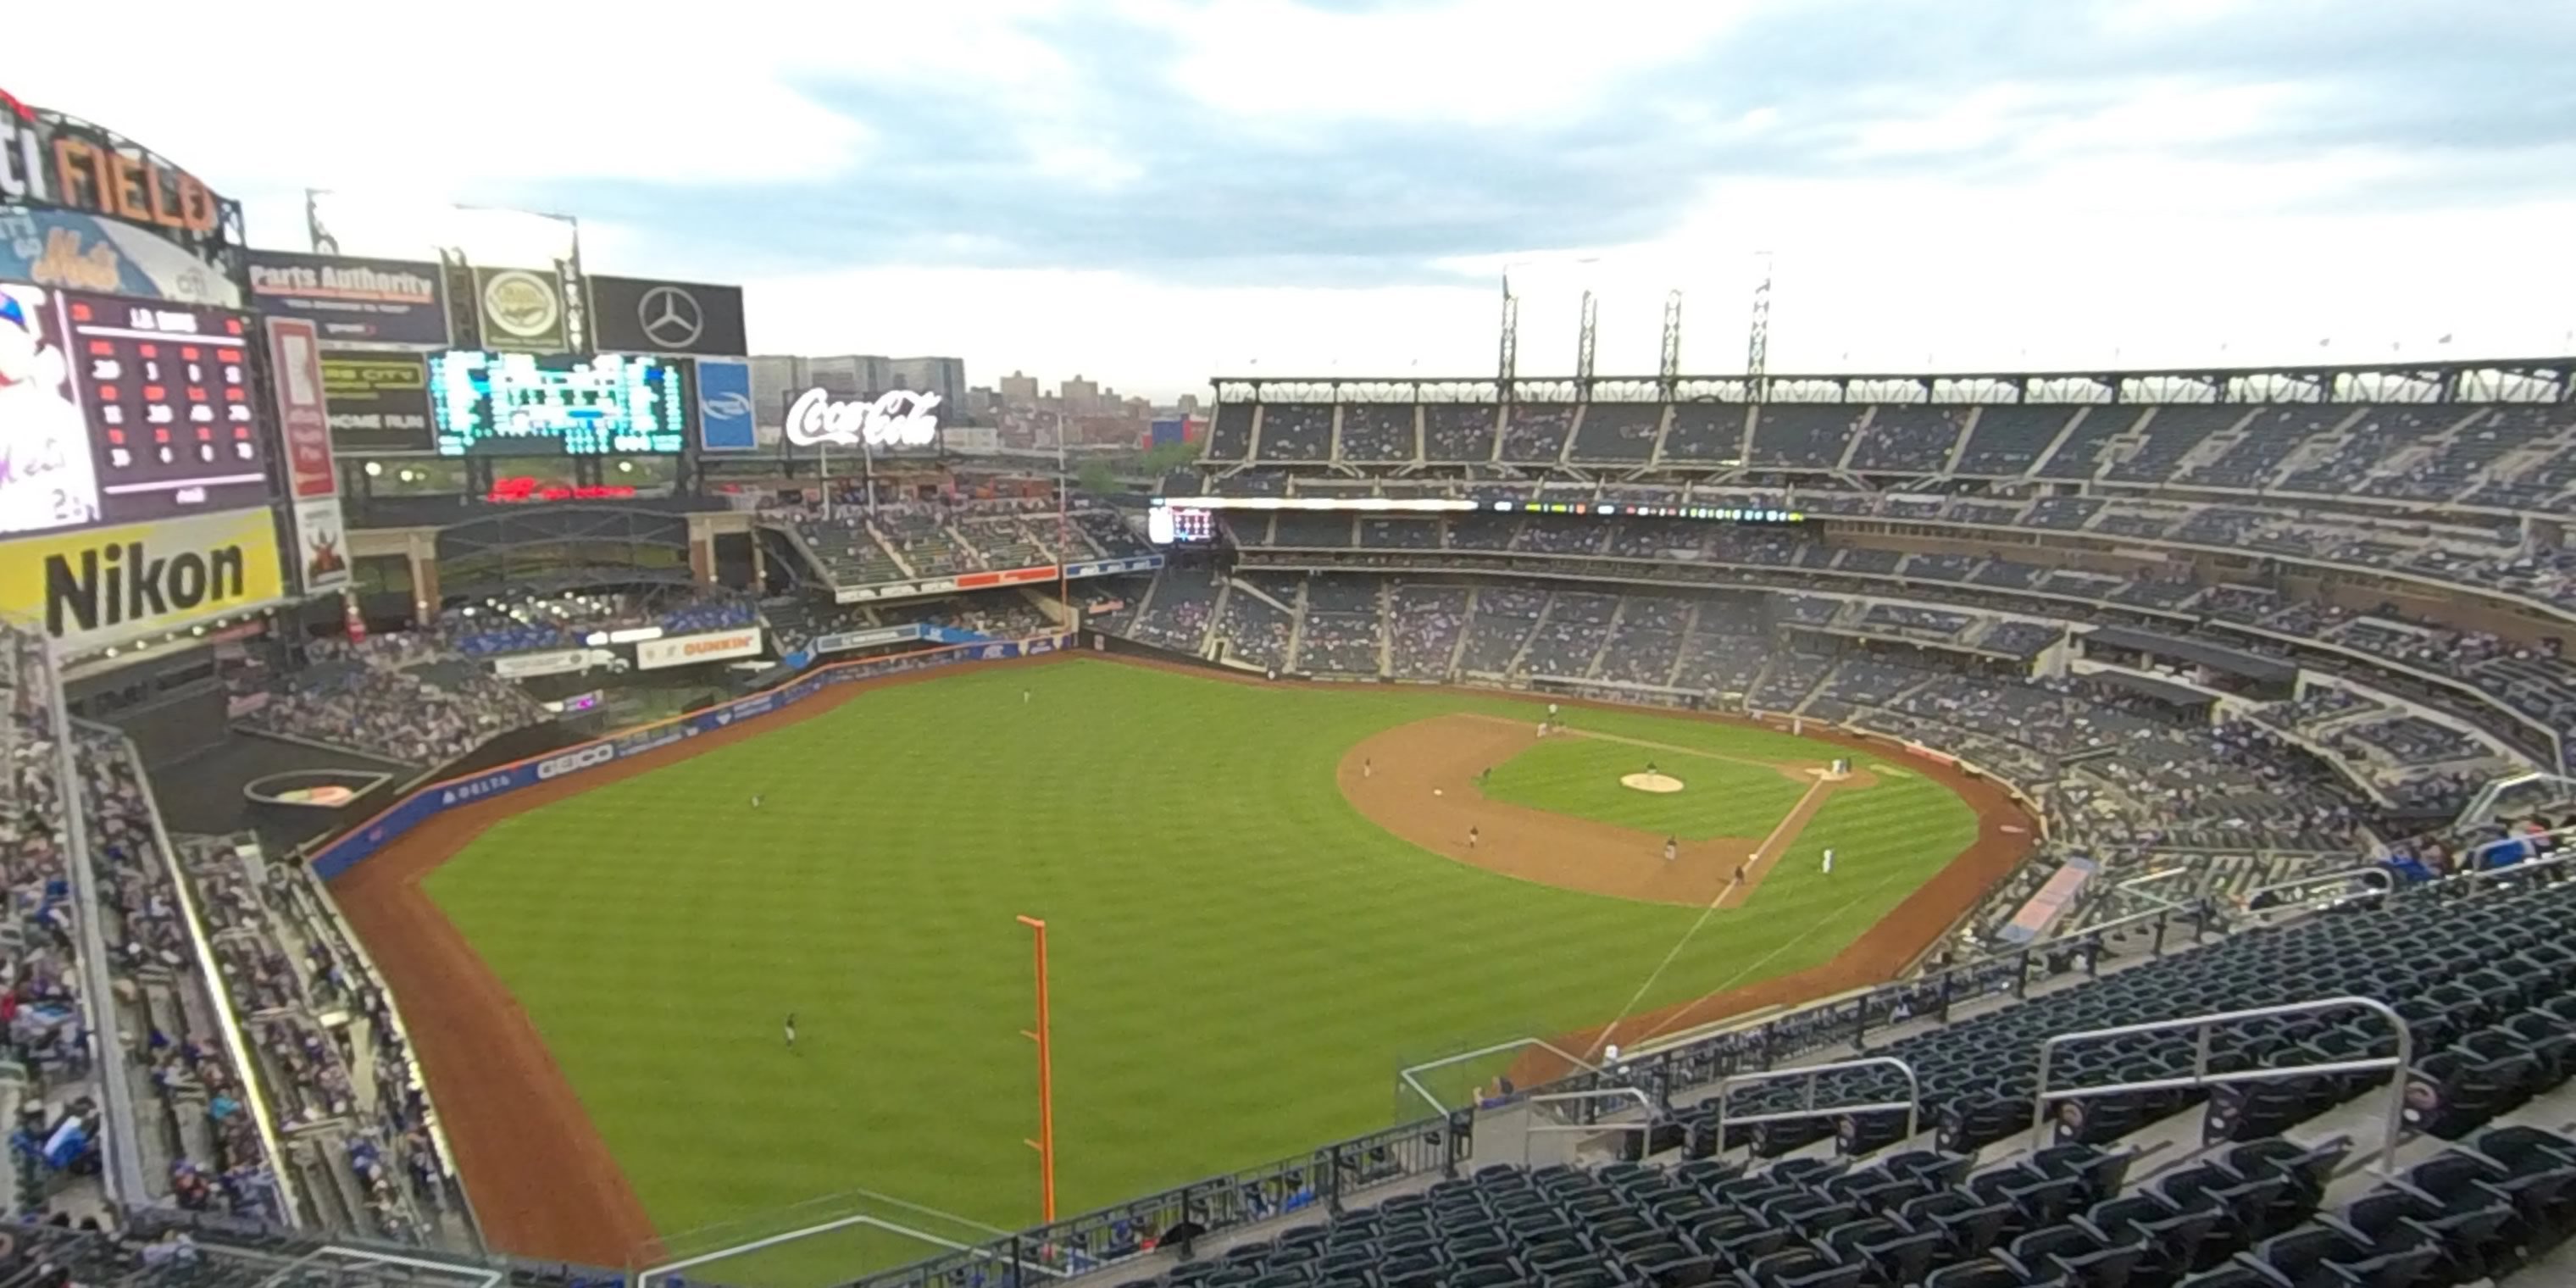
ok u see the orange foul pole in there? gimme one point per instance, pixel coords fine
(1045, 1143)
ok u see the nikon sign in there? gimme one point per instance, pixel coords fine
(110, 586)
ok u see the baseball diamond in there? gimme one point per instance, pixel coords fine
(1243, 917)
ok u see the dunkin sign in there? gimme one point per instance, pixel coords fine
(683, 650)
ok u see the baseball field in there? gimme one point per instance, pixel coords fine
(1262, 901)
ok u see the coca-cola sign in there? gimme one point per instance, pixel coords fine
(898, 419)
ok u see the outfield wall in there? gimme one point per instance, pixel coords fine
(411, 811)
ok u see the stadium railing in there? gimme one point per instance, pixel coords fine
(1319, 1180)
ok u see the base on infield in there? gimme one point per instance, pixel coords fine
(1659, 784)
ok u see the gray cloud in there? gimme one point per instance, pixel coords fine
(2465, 93)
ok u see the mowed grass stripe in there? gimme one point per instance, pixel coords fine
(1241, 960)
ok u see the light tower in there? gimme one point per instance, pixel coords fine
(1757, 335)
(1668, 368)
(1583, 347)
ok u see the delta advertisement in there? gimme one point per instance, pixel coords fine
(106, 586)
(353, 302)
(682, 650)
(413, 810)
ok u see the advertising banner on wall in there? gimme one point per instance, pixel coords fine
(321, 546)
(642, 315)
(78, 252)
(352, 301)
(848, 640)
(109, 585)
(312, 478)
(378, 402)
(724, 406)
(303, 418)
(522, 309)
(526, 666)
(682, 650)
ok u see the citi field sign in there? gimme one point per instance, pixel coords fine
(50, 159)
(107, 586)
(898, 419)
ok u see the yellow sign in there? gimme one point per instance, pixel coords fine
(110, 585)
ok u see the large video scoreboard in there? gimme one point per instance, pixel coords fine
(117, 410)
(514, 403)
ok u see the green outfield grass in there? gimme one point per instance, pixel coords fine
(1241, 961)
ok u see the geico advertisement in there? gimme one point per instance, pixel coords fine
(109, 585)
(684, 649)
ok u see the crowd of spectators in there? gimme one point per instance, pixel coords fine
(199, 1147)
(45, 1020)
(211, 1156)
(1425, 625)
(531, 623)
(998, 614)
(287, 964)
(1257, 625)
(398, 696)
(1343, 627)
(1176, 613)
(903, 539)
(2509, 457)
(2465, 672)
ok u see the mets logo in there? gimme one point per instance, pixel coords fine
(521, 304)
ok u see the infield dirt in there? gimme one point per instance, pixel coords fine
(544, 1184)
(1419, 781)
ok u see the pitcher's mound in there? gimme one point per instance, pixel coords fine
(1658, 783)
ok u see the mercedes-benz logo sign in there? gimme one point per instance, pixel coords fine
(671, 317)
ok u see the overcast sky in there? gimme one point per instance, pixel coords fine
(1153, 191)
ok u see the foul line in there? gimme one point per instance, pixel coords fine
(1797, 816)
(1801, 937)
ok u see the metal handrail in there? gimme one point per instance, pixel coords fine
(2135, 886)
(1912, 1104)
(1644, 1101)
(2202, 1077)
(2387, 884)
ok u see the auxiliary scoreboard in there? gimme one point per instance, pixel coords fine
(526, 404)
(123, 410)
